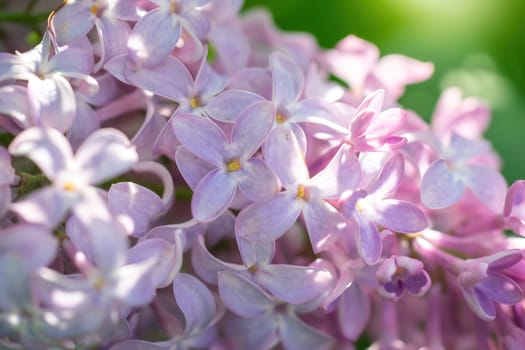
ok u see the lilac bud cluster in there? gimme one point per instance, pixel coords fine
(178, 175)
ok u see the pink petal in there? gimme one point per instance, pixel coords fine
(368, 240)
(501, 289)
(389, 178)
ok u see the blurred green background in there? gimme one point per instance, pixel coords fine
(475, 44)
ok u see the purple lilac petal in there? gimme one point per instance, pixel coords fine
(140, 345)
(114, 34)
(195, 301)
(139, 203)
(252, 126)
(353, 302)
(287, 80)
(480, 303)
(323, 223)
(361, 122)
(77, 13)
(213, 195)
(233, 53)
(52, 101)
(74, 60)
(105, 154)
(488, 185)
(293, 284)
(192, 168)
(368, 240)
(154, 37)
(388, 180)
(134, 285)
(201, 137)
(503, 259)
(462, 150)
(399, 216)
(14, 103)
(195, 21)
(85, 123)
(252, 333)
(342, 173)
(169, 259)
(157, 79)
(501, 289)
(255, 80)
(417, 284)
(46, 206)
(440, 187)
(259, 183)
(255, 253)
(267, 221)
(206, 265)
(109, 244)
(242, 296)
(284, 156)
(20, 240)
(297, 335)
(208, 82)
(228, 105)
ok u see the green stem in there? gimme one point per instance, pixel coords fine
(23, 17)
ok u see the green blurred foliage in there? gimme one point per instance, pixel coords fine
(475, 44)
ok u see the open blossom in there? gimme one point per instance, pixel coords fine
(104, 155)
(233, 163)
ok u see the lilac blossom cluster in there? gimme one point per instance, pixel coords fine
(180, 176)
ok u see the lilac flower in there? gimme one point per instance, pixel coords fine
(77, 18)
(375, 206)
(20, 257)
(233, 163)
(50, 96)
(399, 273)
(445, 181)
(157, 33)
(267, 221)
(283, 281)
(357, 62)
(105, 154)
(266, 318)
(513, 211)
(483, 282)
(199, 310)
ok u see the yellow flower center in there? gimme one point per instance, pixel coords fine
(194, 102)
(69, 186)
(173, 8)
(301, 193)
(279, 119)
(94, 9)
(233, 165)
